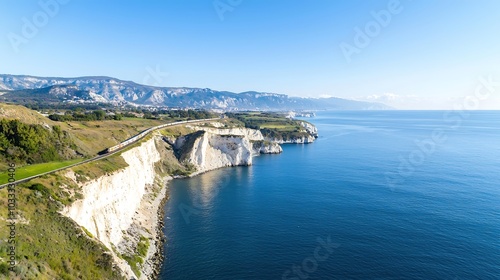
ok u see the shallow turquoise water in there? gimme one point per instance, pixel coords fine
(388, 201)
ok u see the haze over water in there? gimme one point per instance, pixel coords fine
(439, 221)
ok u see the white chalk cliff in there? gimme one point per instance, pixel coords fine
(212, 148)
(108, 207)
(266, 147)
(310, 128)
(112, 207)
(110, 202)
(208, 151)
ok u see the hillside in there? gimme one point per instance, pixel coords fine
(32, 90)
(85, 139)
(97, 220)
(48, 244)
(89, 136)
(15, 112)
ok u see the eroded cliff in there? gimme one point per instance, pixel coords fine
(211, 148)
(110, 206)
(120, 209)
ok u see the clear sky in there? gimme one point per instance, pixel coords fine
(422, 54)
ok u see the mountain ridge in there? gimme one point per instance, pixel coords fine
(104, 89)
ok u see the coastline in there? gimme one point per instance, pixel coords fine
(156, 258)
(158, 197)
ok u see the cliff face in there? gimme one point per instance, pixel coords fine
(120, 209)
(310, 128)
(265, 147)
(212, 148)
(110, 203)
(108, 207)
(208, 151)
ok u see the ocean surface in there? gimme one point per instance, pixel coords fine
(379, 195)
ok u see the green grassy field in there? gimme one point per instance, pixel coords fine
(280, 126)
(272, 121)
(31, 170)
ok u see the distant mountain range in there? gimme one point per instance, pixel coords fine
(29, 89)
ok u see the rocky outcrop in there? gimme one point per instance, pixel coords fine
(208, 151)
(259, 144)
(310, 128)
(266, 147)
(293, 115)
(306, 135)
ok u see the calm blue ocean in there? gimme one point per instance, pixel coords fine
(379, 195)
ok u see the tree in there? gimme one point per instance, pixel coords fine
(99, 115)
(31, 143)
(4, 143)
(79, 110)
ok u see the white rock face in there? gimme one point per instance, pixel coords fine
(310, 128)
(221, 147)
(264, 147)
(109, 202)
(211, 151)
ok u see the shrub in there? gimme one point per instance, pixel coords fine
(39, 187)
(4, 268)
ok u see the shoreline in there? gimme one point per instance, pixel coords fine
(158, 257)
(155, 256)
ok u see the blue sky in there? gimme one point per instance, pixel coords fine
(429, 54)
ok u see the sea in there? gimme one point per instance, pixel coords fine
(379, 195)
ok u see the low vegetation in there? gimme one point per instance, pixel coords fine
(97, 115)
(79, 114)
(137, 259)
(96, 169)
(171, 164)
(178, 114)
(272, 125)
(49, 245)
